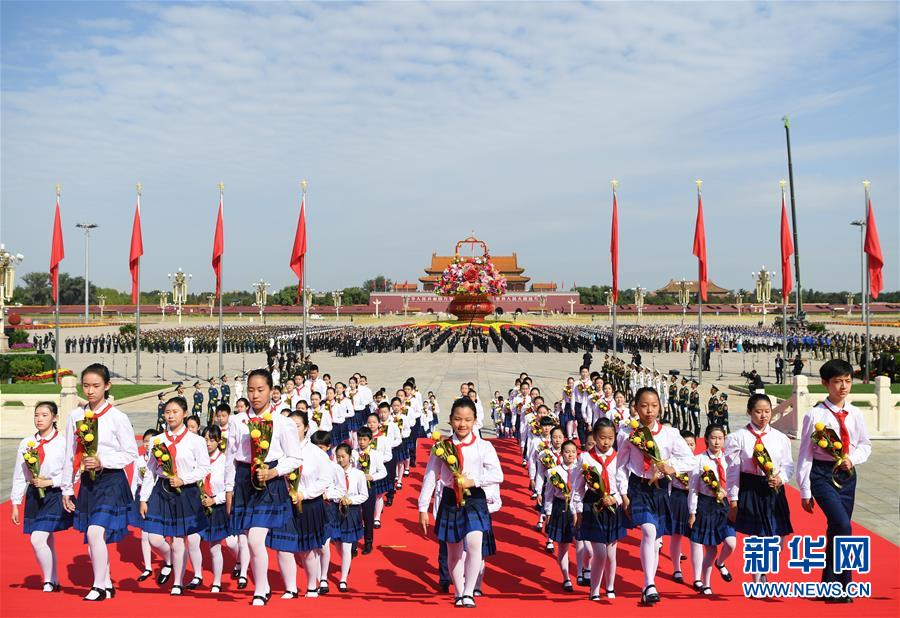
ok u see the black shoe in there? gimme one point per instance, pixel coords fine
(145, 574)
(264, 599)
(111, 592)
(290, 594)
(698, 585)
(468, 601)
(236, 571)
(367, 548)
(678, 577)
(354, 552)
(101, 595)
(579, 581)
(342, 586)
(705, 591)
(376, 524)
(724, 572)
(389, 500)
(51, 587)
(194, 583)
(242, 583)
(176, 591)
(215, 588)
(165, 573)
(649, 596)
(567, 586)
(323, 587)
(593, 597)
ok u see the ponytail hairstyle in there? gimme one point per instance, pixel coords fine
(755, 398)
(99, 370)
(54, 410)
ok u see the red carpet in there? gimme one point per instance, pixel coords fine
(401, 575)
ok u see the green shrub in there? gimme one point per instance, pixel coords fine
(46, 362)
(20, 367)
(18, 336)
(816, 327)
(127, 329)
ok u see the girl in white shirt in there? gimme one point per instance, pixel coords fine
(349, 526)
(44, 514)
(138, 477)
(104, 498)
(256, 498)
(462, 519)
(758, 505)
(708, 508)
(334, 492)
(214, 502)
(384, 438)
(560, 522)
(337, 412)
(171, 506)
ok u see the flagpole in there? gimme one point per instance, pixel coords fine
(787, 135)
(614, 293)
(137, 319)
(56, 346)
(865, 304)
(699, 314)
(221, 328)
(304, 186)
(784, 298)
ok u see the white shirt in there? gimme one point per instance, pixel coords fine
(860, 446)
(376, 464)
(336, 489)
(191, 459)
(355, 485)
(325, 423)
(697, 486)
(238, 389)
(217, 476)
(318, 385)
(51, 468)
(386, 440)
(479, 415)
(582, 391)
(338, 411)
(300, 394)
(480, 463)
(282, 446)
(315, 469)
(116, 446)
(139, 475)
(567, 472)
(672, 449)
(739, 453)
(579, 485)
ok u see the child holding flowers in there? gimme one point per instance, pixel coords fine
(37, 476)
(138, 478)
(464, 465)
(708, 508)
(678, 505)
(348, 527)
(171, 506)
(256, 500)
(558, 507)
(213, 500)
(368, 460)
(596, 499)
(99, 444)
(833, 442)
(383, 441)
(759, 464)
(651, 455)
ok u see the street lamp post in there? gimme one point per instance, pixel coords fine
(376, 302)
(862, 265)
(179, 290)
(849, 304)
(262, 296)
(763, 280)
(639, 293)
(336, 297)
(102, 302)
(87, 227)
(405, 305)
(609, 304)
(211, 299)
(571, 307)
(542, 303)
(8, 262)
(740, 303)
(163, 303)
(684, 298)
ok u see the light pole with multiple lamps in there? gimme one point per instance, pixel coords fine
(211, 299)
(336, 298)
(849, 304)
(376, 302)
(542, 303)
(179, 290)
(763, 280)
(163, 303)
(87, 227)
(609, 304)
(405, 305)
(861, 224)
(684, 298)
(571, 307)
(262, 296)
(639, 293)
(101, 300)
(8, 262)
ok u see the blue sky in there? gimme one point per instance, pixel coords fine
(417, 123)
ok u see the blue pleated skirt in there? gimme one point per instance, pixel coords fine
(105, 502)
(170, 513)
(454, 522)
(566, 415)
(45, 514)
(559, 526)
(649, 504)
(603, 526)
(134, 512)
(761, 511)
(401, 452)
(217, 525)
(357, 420)
(305, 531)
(251, 508)
(711, 525)
(507, 420)
(678, 503)
(339, 433)
(347, 528)
(381, 486)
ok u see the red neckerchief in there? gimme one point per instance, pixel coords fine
(41, 443)
(207, 482)
(457, 489)
(758, 436)
(79, 448)
(841, 416)
(604, 464)
(347, 479)
(720, 470)
(173, 446)
(647, 463)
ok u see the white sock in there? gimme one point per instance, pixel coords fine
(649, 556)
(287, 564)
(193, 547)
(473, 562)
(96, 536)
(178, 562)
(598, 563)
(259, 556)
(42, 543)
(215, 556)
(324, 560)
(562, 558)
(346, 558)
(311, 564)
(145, 551)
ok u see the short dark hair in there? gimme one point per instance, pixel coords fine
(212, 431)
(262, 373)
(835, 368)
(364, 432)
(181, 402)
(150, 433)
(343, 448)
(600, 424)
(223, 407)
(711, 428)
(463, 402)
(321, 438)
(303, 416)
(756, 397)
(688, 434)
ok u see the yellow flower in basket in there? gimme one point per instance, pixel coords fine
(769, 465)
(267, 416)
(649, 443)
(89, 437)
(82, 427)
(255, 434)
(293, 476)
(760, 448)
(820, 426)
(706, 468)
(165, 457)
(436, 436)
(451, 459)
(31, 444)
(439, 451)
(157, 442)
(264, 444)
(823, 443)
(584, 466)
(715, 483)
(89, 414)
(838, 445)
(633, 424)
(157, 454)
(760, 459)
(596, 485)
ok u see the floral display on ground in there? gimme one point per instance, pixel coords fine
(474, 275)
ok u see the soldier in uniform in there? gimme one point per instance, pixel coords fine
(694, 407)
(160, 408)
(213, 401)
(683, 404)
(671, 415)
(226, 391)
(197, 408)
(712, 406)
(722, 412)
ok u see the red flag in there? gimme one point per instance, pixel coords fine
(787, 250)
(614, 250)
(57, 253)
(700, 248)
(873, 250)
(137, 250)
(218, 250)
(298, 253)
